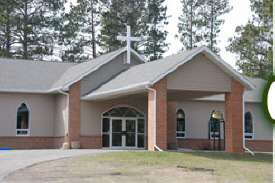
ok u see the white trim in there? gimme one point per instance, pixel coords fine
(249, 134)
(29, 122)
(66, 86)
(244, 147)
(129, 88)
(67, 111)
(31, 91)
(25, 91)
(155, 117)
(217, 60)
(184, 132)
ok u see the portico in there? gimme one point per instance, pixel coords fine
(163, 91)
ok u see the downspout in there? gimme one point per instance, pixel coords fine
(245, 148)
(67, 114)
(155, 117)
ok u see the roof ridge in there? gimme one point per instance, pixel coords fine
(41, 61)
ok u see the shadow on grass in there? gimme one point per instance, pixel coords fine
(267, 158)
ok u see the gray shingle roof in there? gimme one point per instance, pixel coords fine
(77, 72)
(30, 76)
(141, 75)
(42, 77)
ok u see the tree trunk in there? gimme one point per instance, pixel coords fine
(191, 24)
(93, 35)
(212, 25)
(25, 33)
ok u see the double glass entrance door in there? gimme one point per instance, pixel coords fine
(124, 133)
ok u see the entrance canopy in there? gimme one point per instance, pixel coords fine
(138, 78)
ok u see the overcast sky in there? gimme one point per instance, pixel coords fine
(240, 14)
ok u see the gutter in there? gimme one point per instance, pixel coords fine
(130, 88)
(155, 117)
(67, 114)
(245, 148)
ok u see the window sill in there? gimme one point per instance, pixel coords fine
(249, 139)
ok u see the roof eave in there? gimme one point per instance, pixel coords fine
(125, 90)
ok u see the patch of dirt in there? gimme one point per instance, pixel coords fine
(196, 169)
(75, 170)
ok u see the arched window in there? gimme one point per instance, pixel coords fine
(248, 125)
(180, 124)
(23, 126)
(215, 126)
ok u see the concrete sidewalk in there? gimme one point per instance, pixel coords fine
(13, 160)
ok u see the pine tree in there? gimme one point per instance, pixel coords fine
(119, 14)
(7, 28)
(190, 23)
(212, 12)
(35, 24)
(200, 22)
(77, 36)
(155, 45)
(255, 41)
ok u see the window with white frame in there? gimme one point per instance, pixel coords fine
(215, 127)
(23, 126)
(248, 125)
(181, 124)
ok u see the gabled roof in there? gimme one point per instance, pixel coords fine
(151, 72)
(78, 72)
(44, 77)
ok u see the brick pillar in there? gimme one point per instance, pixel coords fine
(74, 112)
(161, 115)
(171, 125)
(234, 118)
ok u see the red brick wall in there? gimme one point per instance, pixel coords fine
(161, 112)
(171, 123)
(32, 142)
(161, 88)
(234, 118)
(205, 144)
(259, 145)
(91, 142)
(199, 144)
(87, 142)
(74, 112)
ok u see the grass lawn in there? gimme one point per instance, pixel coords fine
(154, 166)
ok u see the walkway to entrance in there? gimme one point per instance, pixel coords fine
(17, 159)
(123, 128)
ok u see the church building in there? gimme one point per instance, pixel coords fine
(190, 100)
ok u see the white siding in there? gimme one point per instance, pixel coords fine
(60, 114)
(261, 126)
(41, 113)
(198, 114)
(199, 74)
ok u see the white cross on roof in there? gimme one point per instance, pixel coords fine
(128, 38)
